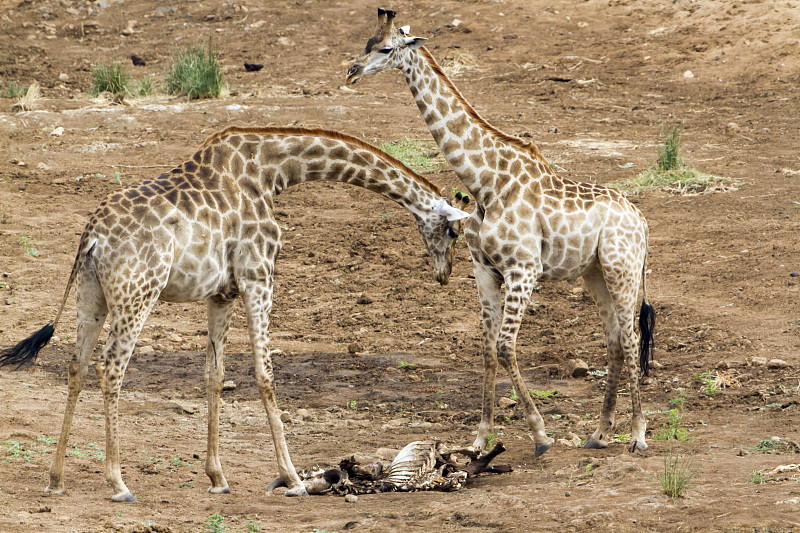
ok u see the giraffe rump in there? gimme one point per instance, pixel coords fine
(26, 350)
(647, 322)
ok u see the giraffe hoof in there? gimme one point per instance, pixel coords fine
(219, 490)
(124, 497)
(541, 448)
(594, 444)
(54, 490)
(297, 491)
(638, 446)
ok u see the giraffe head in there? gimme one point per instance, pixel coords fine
(440, 228)
(385, 49)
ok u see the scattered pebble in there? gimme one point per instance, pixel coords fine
(58, 132)
(351, 498)
(505, 403)
(286, 418)
(777, 364)
(688, 74)
(303, 413)
(229, 384)
(578, 368)
(354, 347)
(146, 350)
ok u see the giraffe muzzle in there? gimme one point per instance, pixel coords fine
(354, 74)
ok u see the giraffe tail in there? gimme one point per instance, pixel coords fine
(26, 350)
(647, 322)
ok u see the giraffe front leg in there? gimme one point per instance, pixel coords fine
(491, 316)
(219, 319)
(258, 302)
(519, 286)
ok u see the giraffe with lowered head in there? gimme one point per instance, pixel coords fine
(205, 231)
(529, 225)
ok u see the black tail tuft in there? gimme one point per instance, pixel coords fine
(27, 350)
(647, 322)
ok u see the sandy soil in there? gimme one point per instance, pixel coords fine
(592, 83)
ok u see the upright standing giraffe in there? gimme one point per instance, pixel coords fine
(529, 225)
(205, 231)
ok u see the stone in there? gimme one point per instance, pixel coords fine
(229, 384)
(777, 364)
(386, 454)
(578, 368)
(571, 441)
(58, 132)
(146, 350)
(303, 413)
(183, 408)
(351, 498)
(286, 418)
(505, 403)
(174, 337)
(759, 361)
(354, 347)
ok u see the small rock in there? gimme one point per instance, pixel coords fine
(174, 337)
(578, 368)
(229, 384)
(138, 61)
(351, 498)
(688, 74)
(731, 128)
(510, 36)
(363, 299)
(567, 493)
(722, 365)
(9, 301)
(354, 347)
(777, 363)
(286, 418)
(58, 132)
(63, 77)
(794, 274)
(146, 350)
(129, 28)
(759, 361)
(183, 409)
(253, 67)
(572, 441)
(505, 403)
(43, 166)
(303, 413)
(285, 41)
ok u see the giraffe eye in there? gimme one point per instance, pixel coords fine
(384, 50)
(453, 233)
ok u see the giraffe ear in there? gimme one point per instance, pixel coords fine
(451, 213)
(415, 42)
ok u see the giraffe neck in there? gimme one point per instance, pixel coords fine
(472, 146)
(272, 159)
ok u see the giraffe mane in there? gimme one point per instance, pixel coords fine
(474, 114)
(328, 134)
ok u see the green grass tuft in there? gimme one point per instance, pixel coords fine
(195, 73)
(114, 79)
(669, 153)
(418, 155)
(678, 474)
(13, 90)
(672, 429)
(672, 174)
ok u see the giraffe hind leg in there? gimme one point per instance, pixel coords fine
(92, 311)
(596, 285)
(219, 320)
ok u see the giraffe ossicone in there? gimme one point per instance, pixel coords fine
(529, 225)
(205, 231)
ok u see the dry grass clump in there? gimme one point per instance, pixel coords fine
(27, 101)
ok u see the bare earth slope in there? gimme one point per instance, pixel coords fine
(592, 84)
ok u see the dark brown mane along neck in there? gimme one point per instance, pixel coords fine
(328, 134)
(437, 69)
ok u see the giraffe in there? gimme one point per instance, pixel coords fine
(205, 231)
(529, 225)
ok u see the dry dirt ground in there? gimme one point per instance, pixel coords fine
(592, 83)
